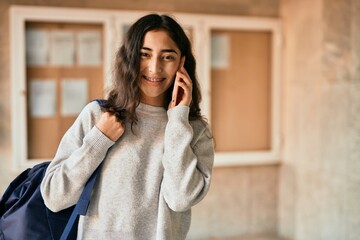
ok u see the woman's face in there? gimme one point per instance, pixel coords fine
(160, 60)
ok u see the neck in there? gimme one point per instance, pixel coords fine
(156, 102)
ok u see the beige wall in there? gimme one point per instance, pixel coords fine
(320, 176)
(242, 200)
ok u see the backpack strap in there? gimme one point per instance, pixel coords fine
(100, 101)
(84, 200)
(82, 205)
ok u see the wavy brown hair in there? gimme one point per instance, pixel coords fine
(124, 96)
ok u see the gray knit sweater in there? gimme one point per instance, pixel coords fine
(150, 178)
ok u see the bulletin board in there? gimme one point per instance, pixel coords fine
(241, 90)
(64, 71)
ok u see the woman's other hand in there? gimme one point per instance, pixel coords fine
(110, 126)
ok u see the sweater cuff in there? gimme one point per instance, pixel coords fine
(179, 113)
(97, 140)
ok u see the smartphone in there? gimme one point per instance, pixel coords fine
(178, 92)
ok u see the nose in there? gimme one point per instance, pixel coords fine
(155, 65)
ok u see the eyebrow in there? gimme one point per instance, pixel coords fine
(163, 50)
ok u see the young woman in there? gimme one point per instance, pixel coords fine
(156, 149)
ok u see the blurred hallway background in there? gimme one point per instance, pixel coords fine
(314, 192)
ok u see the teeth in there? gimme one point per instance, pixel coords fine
(153, 79)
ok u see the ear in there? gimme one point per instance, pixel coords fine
(182, 62)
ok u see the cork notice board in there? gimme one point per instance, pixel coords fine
(241, 91)
(64, 72)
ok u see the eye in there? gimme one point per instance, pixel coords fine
(144, 55)
(169, 58)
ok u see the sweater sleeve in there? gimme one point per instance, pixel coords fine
(81, 150)
(188, 160)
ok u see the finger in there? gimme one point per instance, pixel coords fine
(185, 86)
(187, 94)
(184, 77)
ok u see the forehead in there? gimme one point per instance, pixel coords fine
(159, 39)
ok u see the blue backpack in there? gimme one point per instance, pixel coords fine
(24, 216)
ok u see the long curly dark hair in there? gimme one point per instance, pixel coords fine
(124, 95)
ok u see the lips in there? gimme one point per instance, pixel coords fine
(153, 79)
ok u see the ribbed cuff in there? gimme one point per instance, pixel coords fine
(179, 113)
(98, 141)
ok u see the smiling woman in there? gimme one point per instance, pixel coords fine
(156, 149)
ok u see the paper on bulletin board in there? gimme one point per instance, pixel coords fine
(62, 48)
(89, 49)
(37, 47)
(42, 97)
(220, 45)
(74, 96)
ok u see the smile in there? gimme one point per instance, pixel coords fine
(153, 80)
